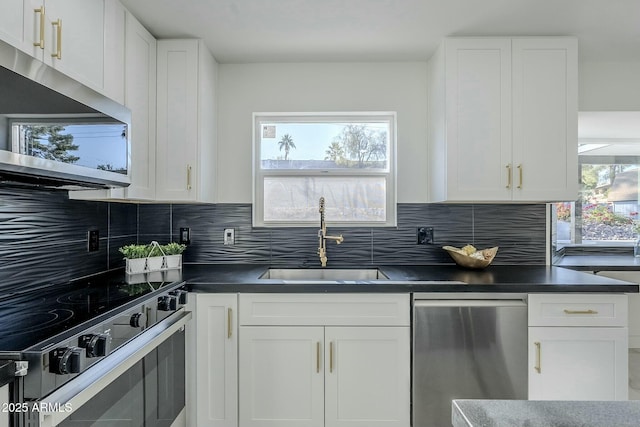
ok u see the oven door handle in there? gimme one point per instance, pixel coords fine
(60, 404)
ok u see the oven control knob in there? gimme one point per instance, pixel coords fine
(66, 360)
(182, 298)
(167, 303)
(137, 320)
(96, 345)
(181, 295)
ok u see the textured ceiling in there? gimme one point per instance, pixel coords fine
(240, 31)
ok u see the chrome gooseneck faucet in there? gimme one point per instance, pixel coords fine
(322, 236)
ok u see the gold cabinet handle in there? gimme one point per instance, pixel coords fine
(188, 177)
(58, 52)
(331, 356)
(520, 176)
(229, 322)
(508, 176)
(318, 357)
(580, 311)
(537, 367)
(40, 43)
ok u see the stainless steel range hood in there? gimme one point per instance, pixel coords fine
(32, 91)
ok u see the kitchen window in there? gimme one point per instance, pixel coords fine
(347, 158)
(607, 211)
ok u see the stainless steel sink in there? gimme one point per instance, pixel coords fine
(317, 274)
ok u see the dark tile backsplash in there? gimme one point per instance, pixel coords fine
(43, 235)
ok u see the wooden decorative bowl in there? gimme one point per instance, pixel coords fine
(468, 261)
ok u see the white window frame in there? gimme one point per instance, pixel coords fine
(389, 174)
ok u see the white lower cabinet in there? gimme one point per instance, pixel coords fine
(366, 383)
(324, 360)
(578, 347)
(578, 364)
(312, 376)
(281, 377)
(216, 360)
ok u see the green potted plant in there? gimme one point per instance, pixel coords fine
(173, 255)
(135, 258)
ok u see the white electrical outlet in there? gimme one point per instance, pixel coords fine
(229, 236)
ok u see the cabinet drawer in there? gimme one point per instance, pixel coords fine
(577, 310)
(324, 309)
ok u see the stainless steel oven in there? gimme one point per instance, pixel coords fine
(118, 360)
(141, 384)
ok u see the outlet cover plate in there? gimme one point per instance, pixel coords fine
(93, 240)
(424, 236)
(185, 235)
(229, 236)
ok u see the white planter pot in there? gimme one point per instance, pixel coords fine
(172, 261)
(155, 263)
(136, 265)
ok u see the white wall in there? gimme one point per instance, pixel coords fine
(609, 86)
(300, 87)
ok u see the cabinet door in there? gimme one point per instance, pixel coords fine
(23, 24)
(578, 363)
(545, 118)
(367, 376)
(20, 24)
(216, 360)
(81, 41)
(140, 98)
(115, 16)
(177, 132)
(478, 111)
(282, 378)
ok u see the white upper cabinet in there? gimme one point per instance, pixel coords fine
(16, 18)
(186, 132)
(74, 35)
(23, 24)
(503, 119)
(545, 118)
(115, 33)
(140, 98)
(69, 35)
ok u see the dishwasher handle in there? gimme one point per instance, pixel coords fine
(470, 303)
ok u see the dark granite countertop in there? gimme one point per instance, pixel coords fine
(425, 278)
(532, 413)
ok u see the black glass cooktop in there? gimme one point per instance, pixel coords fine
(27, 318)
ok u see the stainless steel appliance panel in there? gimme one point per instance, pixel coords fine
(466, 349)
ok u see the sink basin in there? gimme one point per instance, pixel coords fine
(318, 274)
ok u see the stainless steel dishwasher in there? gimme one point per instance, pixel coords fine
(466, 346)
